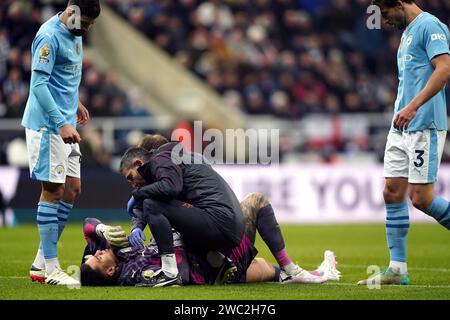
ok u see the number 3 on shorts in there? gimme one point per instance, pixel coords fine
(419, 159)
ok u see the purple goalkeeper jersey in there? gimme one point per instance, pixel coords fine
(136, 262)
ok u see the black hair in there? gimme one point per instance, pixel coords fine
(131, 155)
(389, 3)
(88, 8)
(95, 278)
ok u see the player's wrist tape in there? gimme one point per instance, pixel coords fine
(100, 229)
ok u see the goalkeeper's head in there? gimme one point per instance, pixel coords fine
(101, 269)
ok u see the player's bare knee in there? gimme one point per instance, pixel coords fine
(422, 195)
(391, 195)
(71, 194)
(419, 201)
(52, 192)
(73, 188)
(419, 204)
(260, 271)
(258, 199)
(76, 192)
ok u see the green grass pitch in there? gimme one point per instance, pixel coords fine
(357, 246)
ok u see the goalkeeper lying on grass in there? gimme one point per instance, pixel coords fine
(109, 260)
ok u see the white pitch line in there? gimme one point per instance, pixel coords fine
(349, 266)
(405, 286)
(331, 283)
(356, 266)
(28, 261)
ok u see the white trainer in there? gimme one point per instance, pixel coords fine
(301, 276)
(328, 268)
(60, 278)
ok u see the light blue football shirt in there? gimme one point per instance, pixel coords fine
(59, 54)
(424, 39)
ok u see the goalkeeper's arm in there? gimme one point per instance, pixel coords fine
(95, 230)
(89, 230)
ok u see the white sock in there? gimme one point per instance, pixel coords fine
(39, 260)
(290, 267)
(169, 265)
(399, 267)
(51, 265)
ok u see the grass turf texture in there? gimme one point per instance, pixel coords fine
(357, 246)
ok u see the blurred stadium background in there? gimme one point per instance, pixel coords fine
(310, 68)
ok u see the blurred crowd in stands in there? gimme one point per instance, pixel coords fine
(283, 57)
(287, 58)
(19, 22)
(99, 91)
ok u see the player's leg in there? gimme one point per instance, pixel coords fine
(396, 172)
(428, 146)
(397, 226)
(198, 228)
(72, 186)
(397, 221)
(47, 221)
(71, 191)
(425, 199)
(40, 146)
(48, 163)
(262, 271)
(64, 206)
(260, 215)
(200, 232)
(161, 230)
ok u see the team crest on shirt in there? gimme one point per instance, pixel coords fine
(406, 41)
(44, 54)
(78, 49)
(59, 170)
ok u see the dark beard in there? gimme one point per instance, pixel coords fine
(78, 32)
(402, 25)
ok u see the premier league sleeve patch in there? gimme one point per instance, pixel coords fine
(44, 54)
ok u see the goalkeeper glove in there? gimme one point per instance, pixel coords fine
(115, 235)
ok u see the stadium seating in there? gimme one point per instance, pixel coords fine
(19, 22)
(288, 58)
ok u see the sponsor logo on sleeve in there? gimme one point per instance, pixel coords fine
(438, 37)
